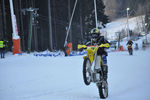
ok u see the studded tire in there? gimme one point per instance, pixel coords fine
(86, 71)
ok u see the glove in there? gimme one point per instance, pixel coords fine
(106, 45)
(82, 46)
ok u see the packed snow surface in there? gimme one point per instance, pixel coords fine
(27, 77)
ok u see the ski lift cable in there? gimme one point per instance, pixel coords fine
(70, 23)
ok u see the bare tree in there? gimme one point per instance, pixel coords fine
(111, 8)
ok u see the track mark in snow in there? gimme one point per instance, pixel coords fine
(50, 93)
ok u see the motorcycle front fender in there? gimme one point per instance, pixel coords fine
(91, 59)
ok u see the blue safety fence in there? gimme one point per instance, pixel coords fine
(49, 54)
(61, 53)
(77, 53)
(58, 53)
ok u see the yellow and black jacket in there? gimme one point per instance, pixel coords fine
(102, 42)
(2, 44)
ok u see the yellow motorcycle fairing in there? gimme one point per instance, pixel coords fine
(91, 50)
(90, 53)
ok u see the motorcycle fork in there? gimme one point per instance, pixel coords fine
(97, 73)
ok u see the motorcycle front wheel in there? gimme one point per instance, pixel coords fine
(130, 52)
(86, 71)
(103, 89)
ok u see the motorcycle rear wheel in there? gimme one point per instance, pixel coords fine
(86, 71)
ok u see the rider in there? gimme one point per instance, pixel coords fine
(130, 42)
(97, 39)
(129, 46)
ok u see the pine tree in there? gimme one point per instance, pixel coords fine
(101, 13)
(89, 14)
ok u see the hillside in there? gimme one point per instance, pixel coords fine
(135, 23)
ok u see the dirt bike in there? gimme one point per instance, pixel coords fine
(130, 50)
(93, 67)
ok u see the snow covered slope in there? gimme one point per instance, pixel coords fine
(28, 77)
(118, 25)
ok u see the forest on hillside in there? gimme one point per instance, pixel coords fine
(117, 8)
(51, 20)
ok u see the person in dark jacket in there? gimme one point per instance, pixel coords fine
(136, 46)
(2, 49)
(129, 46)
(97, 39)
(130, 42)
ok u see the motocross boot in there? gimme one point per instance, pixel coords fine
(105, 71)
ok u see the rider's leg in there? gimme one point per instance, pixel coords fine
(103, 54)
(105, 71)
(104, 66)
(1, 52)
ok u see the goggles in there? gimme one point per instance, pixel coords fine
(94, 35)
